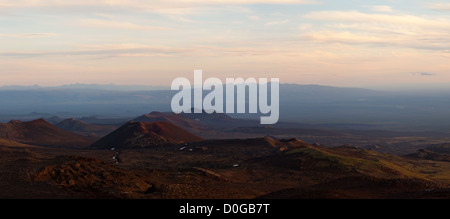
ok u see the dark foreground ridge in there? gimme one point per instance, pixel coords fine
(158, 160)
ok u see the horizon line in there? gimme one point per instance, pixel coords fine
(422, 87)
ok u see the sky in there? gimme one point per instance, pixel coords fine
(348, 43)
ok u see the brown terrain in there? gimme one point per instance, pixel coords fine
(159, 159)
(207, 126)
(145, 134)
(40, 132)
(85, 129)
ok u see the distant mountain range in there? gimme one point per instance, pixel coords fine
(320, 106)
(86, 86)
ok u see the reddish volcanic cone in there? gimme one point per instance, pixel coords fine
(145, 134)
(40, 132)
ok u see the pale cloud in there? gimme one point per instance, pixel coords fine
(28, 35)
(423, 74)
(140, 50)
(381, 8)
(101, 51)
(253, 17)
(97, 23)
(304, 27)
(353, 27)
(173, 9)
(59, 3)
(180, 18)
(344, 37)
(365, 46)
(277, 22)
(355, 16)
(253, 1)
(44, 3)
(216, 51)
(157, 5)
(441, 7)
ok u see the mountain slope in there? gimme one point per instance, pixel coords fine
(440, 148)
(83, 128)
(429, 155)
(40, 132)
(176, 119)
(145, 134)
(11, 143)
(208, 126)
